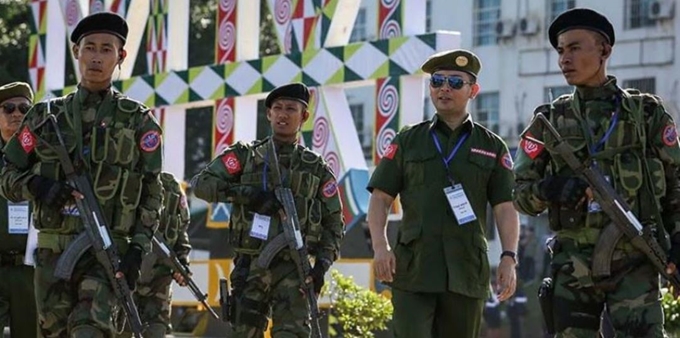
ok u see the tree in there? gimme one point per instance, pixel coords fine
(15, 29)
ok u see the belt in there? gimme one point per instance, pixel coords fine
(11, 258)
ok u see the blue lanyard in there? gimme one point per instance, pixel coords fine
(264, 173)
(607, 134)
(448, 159)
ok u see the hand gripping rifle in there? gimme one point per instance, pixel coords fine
(624, 221)
(291, 230)
(96, 229)
(184, 271)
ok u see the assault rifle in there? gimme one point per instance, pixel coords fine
(293, 237)
(180, 267)
(624, 221)
(96, 233)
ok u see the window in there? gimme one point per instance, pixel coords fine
(556, 92)
(359, 31)
(428, 15)
(645, 85)
(357, 111)
(636, 14)
(556, 7)
(486, 16)
(486, 110)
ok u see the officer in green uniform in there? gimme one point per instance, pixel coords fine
(117, 142)
(17, 300)
(445, 171)
(630, 139)
(242, 175)
(153, 296)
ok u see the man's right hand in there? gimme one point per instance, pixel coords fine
(260, 201)
(564, 190)
(51, 192)
(384, 264)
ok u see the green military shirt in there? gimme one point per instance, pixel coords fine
(434, 253)
(310, 178)
(9, 242)
(115, 140)
(638, 128)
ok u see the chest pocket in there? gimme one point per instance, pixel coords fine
(114, 146)
(479, 173)
(416, 164)
(169, 217)
(47, 133)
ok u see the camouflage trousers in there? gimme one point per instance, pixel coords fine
(631, 296)
(153, 303)
(275, 292)
(83, 306)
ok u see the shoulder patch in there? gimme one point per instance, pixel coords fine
(390, 151)
(506, 161)
(669, 135)
(309, 156)
(330, 188)
(27, 140)
(150, 141)
(128, 105)
(231, 163)
(529, 147)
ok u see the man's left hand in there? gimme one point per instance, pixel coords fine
(506, 279)
(179, 279)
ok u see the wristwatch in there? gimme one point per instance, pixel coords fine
(510, 254)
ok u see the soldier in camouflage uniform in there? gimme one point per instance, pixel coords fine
(633, 142)
(17, 298)
(117, 142)
(154, 295)
(241, 175)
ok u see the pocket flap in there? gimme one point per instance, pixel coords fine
(408, 235)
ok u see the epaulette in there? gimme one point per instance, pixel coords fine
(128, 105)
(309, 156)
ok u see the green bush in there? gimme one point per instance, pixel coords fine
(671, 311)
(359, 311)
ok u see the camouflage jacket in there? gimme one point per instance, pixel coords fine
(632, 139)
(112, 138)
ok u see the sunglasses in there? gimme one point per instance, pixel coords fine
(454, 81)
(9, 108)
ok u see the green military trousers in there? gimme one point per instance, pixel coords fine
(17, 301)
(437, 315)
(153, 300)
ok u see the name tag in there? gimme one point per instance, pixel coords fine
(459, 203)
(260, 228)
(17, 218)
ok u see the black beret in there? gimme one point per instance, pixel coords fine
(581, 18)
(102, 22)
(16, 89)
(295, 91)
(457, 59)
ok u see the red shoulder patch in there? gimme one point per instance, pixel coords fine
(232, 163)
(390, 151)
(329, 188)
(669, 136)
(531, 148)
(150, 141)
(506, 161)
(27, 140)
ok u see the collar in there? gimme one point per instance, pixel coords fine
(606, 91)
(467, 123)
(84, 94)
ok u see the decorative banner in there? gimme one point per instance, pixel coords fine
(302, 25)
(323, 137)
(386, 115)
(36, 49)
(389, 19)
(159, 114)
(225, 36)
(157, 36)
(96, 6)
(120, 7)
(354, 196)
(72, 14)
(223, 137)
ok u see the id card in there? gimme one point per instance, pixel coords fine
(31, 244)
(17, 217)
(260, 228)
(459, 203)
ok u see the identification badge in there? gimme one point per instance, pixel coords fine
(17, 214)
(31, 244)
(260, 228)
(459, 203)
